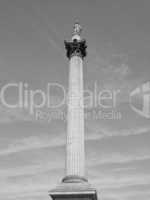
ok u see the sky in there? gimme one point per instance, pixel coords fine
(117, 139)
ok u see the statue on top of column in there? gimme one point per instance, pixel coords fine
(77, 29)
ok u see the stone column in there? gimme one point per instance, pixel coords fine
(76, 51)
(75, 130)
(74, 186)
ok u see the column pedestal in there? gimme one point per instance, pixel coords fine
(74, 189)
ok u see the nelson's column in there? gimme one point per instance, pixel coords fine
(74, 185)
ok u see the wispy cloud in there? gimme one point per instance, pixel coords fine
(49, 140)
(97, 131)
(118, 158)
(117, 181)
(33, 142)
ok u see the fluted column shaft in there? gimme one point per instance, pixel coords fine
(75, 128)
